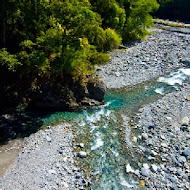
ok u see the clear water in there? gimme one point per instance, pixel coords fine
(108, 136)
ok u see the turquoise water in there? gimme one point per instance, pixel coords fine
(108, 136)
(102, 130)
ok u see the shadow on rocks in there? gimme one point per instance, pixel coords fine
(18, 125)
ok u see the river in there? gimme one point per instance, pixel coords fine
(108, 134)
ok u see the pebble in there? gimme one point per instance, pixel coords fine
(182, 159)
(172, 179)
(52, 171)
(153, 153)
(129, 169)
(48, 139)
(175, 188)
(82, 154)
(153, 168)
(145, 136)
(186, 152)
(81, 145)
(145, 172)
(185, 121)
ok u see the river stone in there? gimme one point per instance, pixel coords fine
(78, 176)
(81, 145)
(82, 154)
(185, 121)
(48, 139)
(175, 188)
(182, 159)
(52, 171)
(186, 152)
(153, 168)
(151, 158)
(129, 169)
(145, 172)
(153, 153)
(164, 145)
(145, 136)
(172, 179)
(188, 98)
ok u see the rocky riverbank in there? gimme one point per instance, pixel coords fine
(48, 161)
(161, 53)
(163, 146)
(164, 141)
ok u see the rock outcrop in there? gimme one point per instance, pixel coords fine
(69, 96)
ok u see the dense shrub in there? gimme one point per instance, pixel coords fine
(51, 39)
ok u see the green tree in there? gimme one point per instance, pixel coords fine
(139, 18)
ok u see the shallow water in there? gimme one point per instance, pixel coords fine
(108, 134)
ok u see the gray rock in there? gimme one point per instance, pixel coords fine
(172, 179)
(52, 172)
(164, 145)
(82, 154)
(145, 172)
(145, 136)
(186, 152)
(48, 139)
(151, 158)
(81, 145)
(153, 153)
(153, 168)
(182, 159)
(175, 188)
(78, 176)
(185, 121)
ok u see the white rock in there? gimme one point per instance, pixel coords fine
(129, 169)
(185, 121)
(82, 154)
(52, 171)
(146, 166)
(136, 172)
(135, 139)
(48, 139)
(151, 158)
(145, 136)
(153, 153)
(153, 168)
(81, 145)
(64, 184)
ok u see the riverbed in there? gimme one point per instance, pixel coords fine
(131, 141)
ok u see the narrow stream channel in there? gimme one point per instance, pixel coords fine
(108, 137)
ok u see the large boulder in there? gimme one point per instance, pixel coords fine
(96, 90)
(69, 96)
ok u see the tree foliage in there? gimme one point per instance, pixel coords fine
(54, 38)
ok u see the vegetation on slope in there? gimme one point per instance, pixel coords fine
(50, 40)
